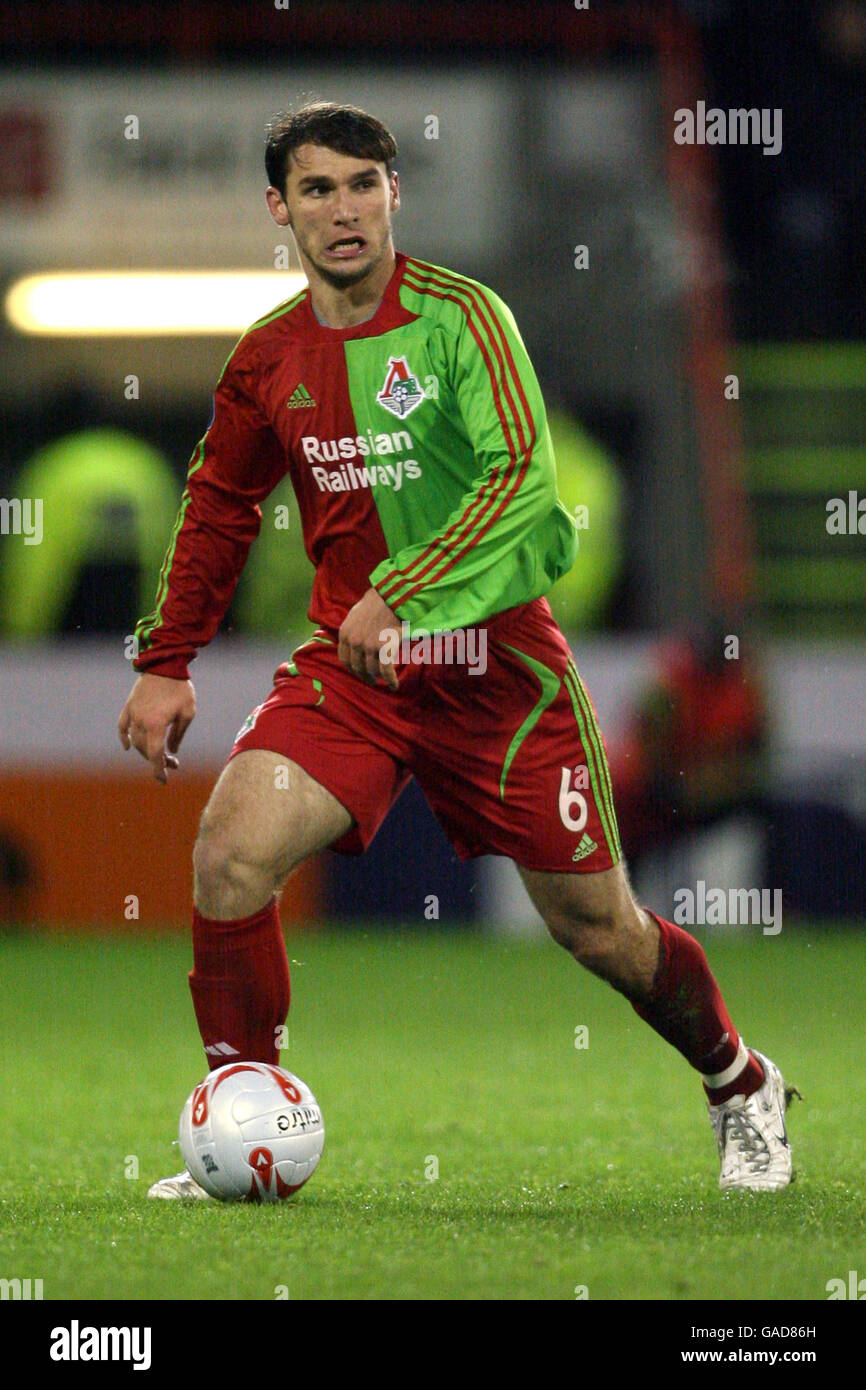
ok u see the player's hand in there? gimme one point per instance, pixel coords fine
(362, 636)
(155, 718)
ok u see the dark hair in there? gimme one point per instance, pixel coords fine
(346, 129)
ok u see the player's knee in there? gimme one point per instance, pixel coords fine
(221, 871)
(592, 940)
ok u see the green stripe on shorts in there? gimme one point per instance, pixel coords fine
(550, 687)
(596, 761)
(604, 768)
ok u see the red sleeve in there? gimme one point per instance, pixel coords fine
(234, 467)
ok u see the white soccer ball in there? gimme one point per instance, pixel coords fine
(251, 1132)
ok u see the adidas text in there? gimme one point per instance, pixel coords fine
(300, 399)
(587, 846)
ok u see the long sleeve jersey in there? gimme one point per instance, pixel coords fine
(419, 451)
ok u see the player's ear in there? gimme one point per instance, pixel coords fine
(277, 207)
(394, 185)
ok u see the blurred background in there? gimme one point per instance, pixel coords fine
(695, 313)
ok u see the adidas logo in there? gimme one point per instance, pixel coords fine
(586, 846)
(300, 399)
(222, 1049)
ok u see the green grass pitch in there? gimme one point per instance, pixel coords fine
(472, 1151)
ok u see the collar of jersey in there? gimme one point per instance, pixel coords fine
(389, 314)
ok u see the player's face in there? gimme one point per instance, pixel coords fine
(339, 209)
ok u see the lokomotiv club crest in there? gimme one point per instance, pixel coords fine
(401, 392)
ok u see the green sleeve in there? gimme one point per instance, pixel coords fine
(510, 538)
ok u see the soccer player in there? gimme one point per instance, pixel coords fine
(401, 400)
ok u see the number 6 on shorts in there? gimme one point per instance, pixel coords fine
(571, 801)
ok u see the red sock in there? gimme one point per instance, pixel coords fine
(687, 1010)
(240, 986)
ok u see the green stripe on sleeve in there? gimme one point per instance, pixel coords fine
(146, 626)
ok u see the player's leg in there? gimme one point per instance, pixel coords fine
(265, 817)
(302, 776)
(656, 965)
(518, 767)
(596, 919)
(665, 974)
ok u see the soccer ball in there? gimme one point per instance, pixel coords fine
(251, 1132)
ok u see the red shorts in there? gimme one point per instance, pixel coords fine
(504, 743)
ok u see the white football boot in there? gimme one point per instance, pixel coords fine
(182, 1187)
(751, 1136)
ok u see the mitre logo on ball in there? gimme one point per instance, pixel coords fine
(251, 1132)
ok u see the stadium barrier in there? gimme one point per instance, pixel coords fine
(111, 851)
(84, 828)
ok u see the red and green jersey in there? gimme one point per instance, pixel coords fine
(418, 448)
